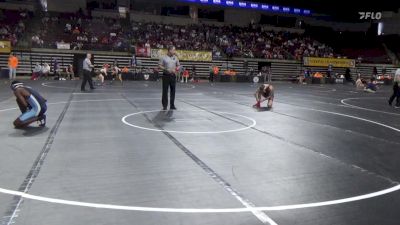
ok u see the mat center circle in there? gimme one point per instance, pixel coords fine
(189, 121)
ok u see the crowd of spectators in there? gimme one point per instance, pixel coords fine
(81, 33)
(252, 41)
(231, 41)
(12, 25)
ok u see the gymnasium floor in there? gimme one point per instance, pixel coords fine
(324, 155)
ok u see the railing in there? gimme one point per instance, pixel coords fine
(280, 69)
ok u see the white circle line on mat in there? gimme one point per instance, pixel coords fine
(343, 101)
(254, 123)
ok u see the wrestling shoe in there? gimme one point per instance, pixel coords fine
(42, 120)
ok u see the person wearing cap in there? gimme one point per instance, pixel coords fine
(169, 64)
(32, 105)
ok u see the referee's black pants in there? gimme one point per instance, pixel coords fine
(396, 94)
(168, 81)
(87, 77)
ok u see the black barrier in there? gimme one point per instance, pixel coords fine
(388, 81)
(316, 80)
(225, 78)
(242, 78)
(134, 76)
(4, 73)
(330, 80)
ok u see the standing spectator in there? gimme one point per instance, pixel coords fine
(211, 72)
(169, 64)
(329, 72)
(348, 77)
(133, 63)
(87, 72)
(307, 73)
(214, 73)
(12, 66)
(374, 72)
(56, 68)
(194, 72)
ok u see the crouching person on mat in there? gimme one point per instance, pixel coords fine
(263, 93)
(372, 86)
(32, 105)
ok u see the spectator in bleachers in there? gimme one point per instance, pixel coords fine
(94, 40)
(250, 42)
(68, 28)
(76, 31)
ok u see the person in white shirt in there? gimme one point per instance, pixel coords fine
(46, 70)
(36, 72)
(103, 74)
(359, 84)
(117, 73)
(87, 67)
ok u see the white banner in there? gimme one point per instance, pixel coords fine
(63, 46)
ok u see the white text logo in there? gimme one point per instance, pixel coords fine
(370, 15)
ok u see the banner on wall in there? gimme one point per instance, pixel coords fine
(325, 62)
(5, 46)
(63, 45)
(184, 55)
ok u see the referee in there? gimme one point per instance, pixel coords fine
(169, 65)
(87, 73)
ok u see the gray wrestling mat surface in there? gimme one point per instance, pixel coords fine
(329, 148)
